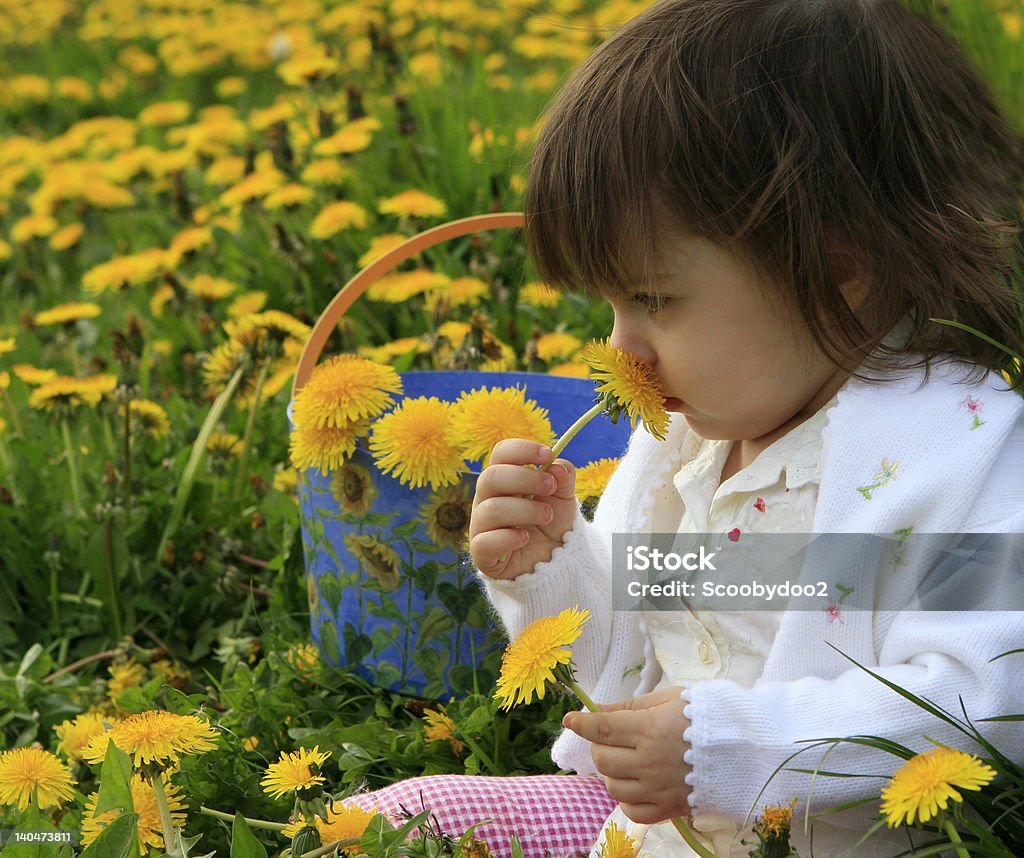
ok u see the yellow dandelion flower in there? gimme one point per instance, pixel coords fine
(5, 250)
(228, 87)
(571, 370)
(441, 728)
(209, 288)
(286, 481)
(250, 743)
(776, 821)
(162, 113)
(399, 287)
(5, 380)
(343, 389)
(225, 171)
(298, 772)
(460, 292)
(8, 345)
(381, 245)
(353, 487)
(188, 241)
(33, 226)
(539, 295)
(251, 187)
(155, 736)
(25, 771)
(161, 296)
(148, 827)
(380, 561)
(415, 443)
(33, 375)
(528, 663)
(335, 217)
(74, 88)
(325, 171)
(924, 785)
(122, 271)
(303, 658)
(243, 305)
(447, 515)
(274, 324)
(617, 844)
(73, 735)
(344, 141)
(627, 385)
(483, 417)
(151, 417)
(289, 195)
(557, 345)
(325, 448)
(66, 314)
(592, 478)
(412, 204)
(225, 444)
(65, 392)
(126, 674)
(66, 236)
(396, 348)
(344, 822)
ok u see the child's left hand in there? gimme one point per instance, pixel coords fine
(638, 747)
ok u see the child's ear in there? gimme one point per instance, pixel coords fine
(849, 273)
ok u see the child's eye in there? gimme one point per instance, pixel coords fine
(651, 303)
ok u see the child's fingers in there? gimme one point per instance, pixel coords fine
(565, 479)
(519, 451)
(498, 513)
(505, 480)
(492, 549)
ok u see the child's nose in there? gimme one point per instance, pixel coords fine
(626, 337)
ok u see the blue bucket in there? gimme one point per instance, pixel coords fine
(391, 596)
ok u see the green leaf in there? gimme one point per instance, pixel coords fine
(118, 840)
(115, 782)
(243, 842)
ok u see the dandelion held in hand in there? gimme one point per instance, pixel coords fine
(924, 785)
(540, 655)
(628, 386)
(618, 844)
(25, 770)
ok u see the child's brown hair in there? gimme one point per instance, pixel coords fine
(798, 132)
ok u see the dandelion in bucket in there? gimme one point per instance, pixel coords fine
(416, 444)
(34, 775)
(924, 786)
(540, 655)
(483, 417)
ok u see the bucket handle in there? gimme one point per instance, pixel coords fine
(362, 281)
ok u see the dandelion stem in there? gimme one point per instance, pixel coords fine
(15, 422)
(330, 847)
(252, 823)
(572, 431)
(195, 459)
(243, 457)
(691, 839)
(127, 487)
(954, 837)
(574, 687)
(69, 454)
(172, 843)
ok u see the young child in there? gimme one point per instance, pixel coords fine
(777, 197)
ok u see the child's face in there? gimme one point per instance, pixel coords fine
(732, 357)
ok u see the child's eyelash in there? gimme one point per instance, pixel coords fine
(651, 303)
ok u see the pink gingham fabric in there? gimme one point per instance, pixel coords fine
(552, 815)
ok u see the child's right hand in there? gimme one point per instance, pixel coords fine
(510, 532)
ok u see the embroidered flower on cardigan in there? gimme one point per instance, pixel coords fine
(759, 505)
(832, 609)
(899, 551)
(885, 475)
(974, 407)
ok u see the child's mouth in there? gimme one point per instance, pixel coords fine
(673, 404)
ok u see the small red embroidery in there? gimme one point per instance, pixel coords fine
(759, 504)
(734, 534)
(833, 612)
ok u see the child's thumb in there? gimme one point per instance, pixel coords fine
(565, 477)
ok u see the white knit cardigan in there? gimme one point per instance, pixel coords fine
(955, 453)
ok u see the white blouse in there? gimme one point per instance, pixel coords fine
(776, 493)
